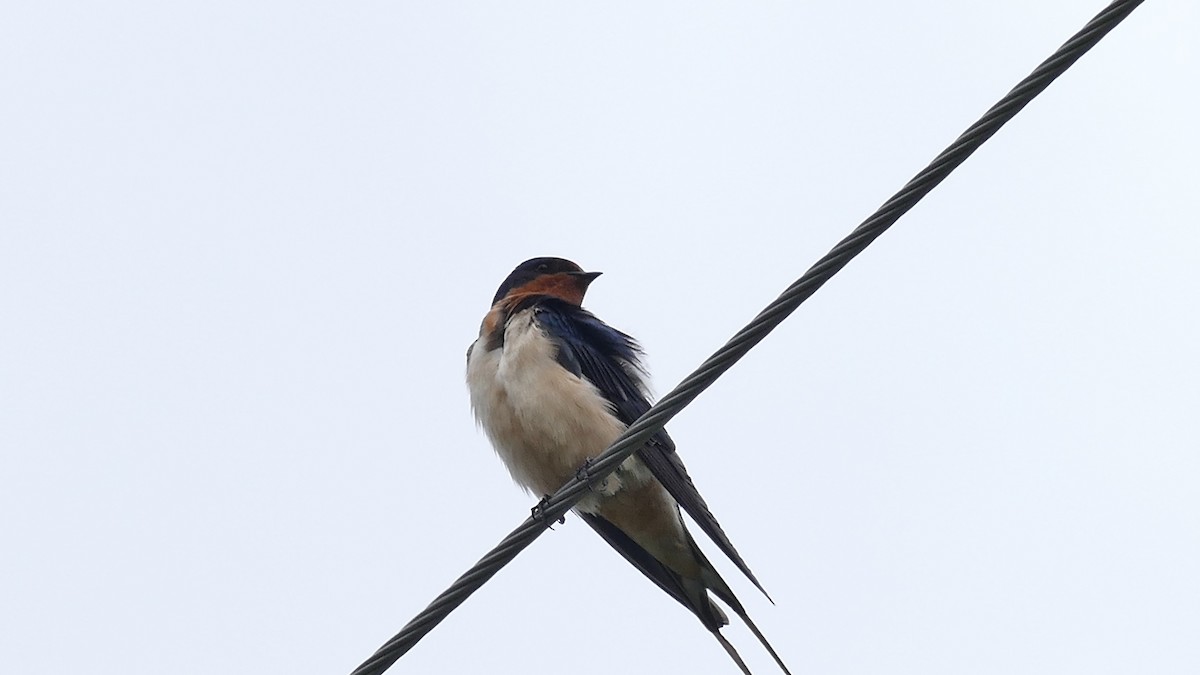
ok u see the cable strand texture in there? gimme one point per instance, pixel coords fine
(741, 343)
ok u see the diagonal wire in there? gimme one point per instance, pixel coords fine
(640, 431)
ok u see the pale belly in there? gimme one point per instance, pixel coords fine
(544, 421)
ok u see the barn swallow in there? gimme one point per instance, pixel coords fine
(553, 386)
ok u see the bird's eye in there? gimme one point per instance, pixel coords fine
(543, 268)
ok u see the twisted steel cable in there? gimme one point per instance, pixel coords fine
(640, 431)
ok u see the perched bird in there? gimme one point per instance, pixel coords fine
(553, 386)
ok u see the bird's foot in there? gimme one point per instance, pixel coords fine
(607, 486)
(538, 512)
(584, 473)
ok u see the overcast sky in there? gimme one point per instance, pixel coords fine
(244, 246)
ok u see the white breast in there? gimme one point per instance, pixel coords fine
(543, 421)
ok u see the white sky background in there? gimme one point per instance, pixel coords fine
(243, 250)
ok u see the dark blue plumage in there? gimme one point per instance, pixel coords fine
(591, 348)
(536, 325)
(611, 361)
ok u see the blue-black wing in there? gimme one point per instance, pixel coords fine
(610, 360)
(666, 578)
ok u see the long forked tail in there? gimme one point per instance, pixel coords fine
(660, 457)
(737, 658)
(758, 634)
(720, 589)
(691, 592)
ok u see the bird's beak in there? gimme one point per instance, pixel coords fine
(585, 278)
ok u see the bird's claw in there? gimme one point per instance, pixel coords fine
(583, 473)
(538, 512)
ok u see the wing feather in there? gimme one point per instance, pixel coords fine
(611, 360)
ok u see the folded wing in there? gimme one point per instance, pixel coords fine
(611, 360)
